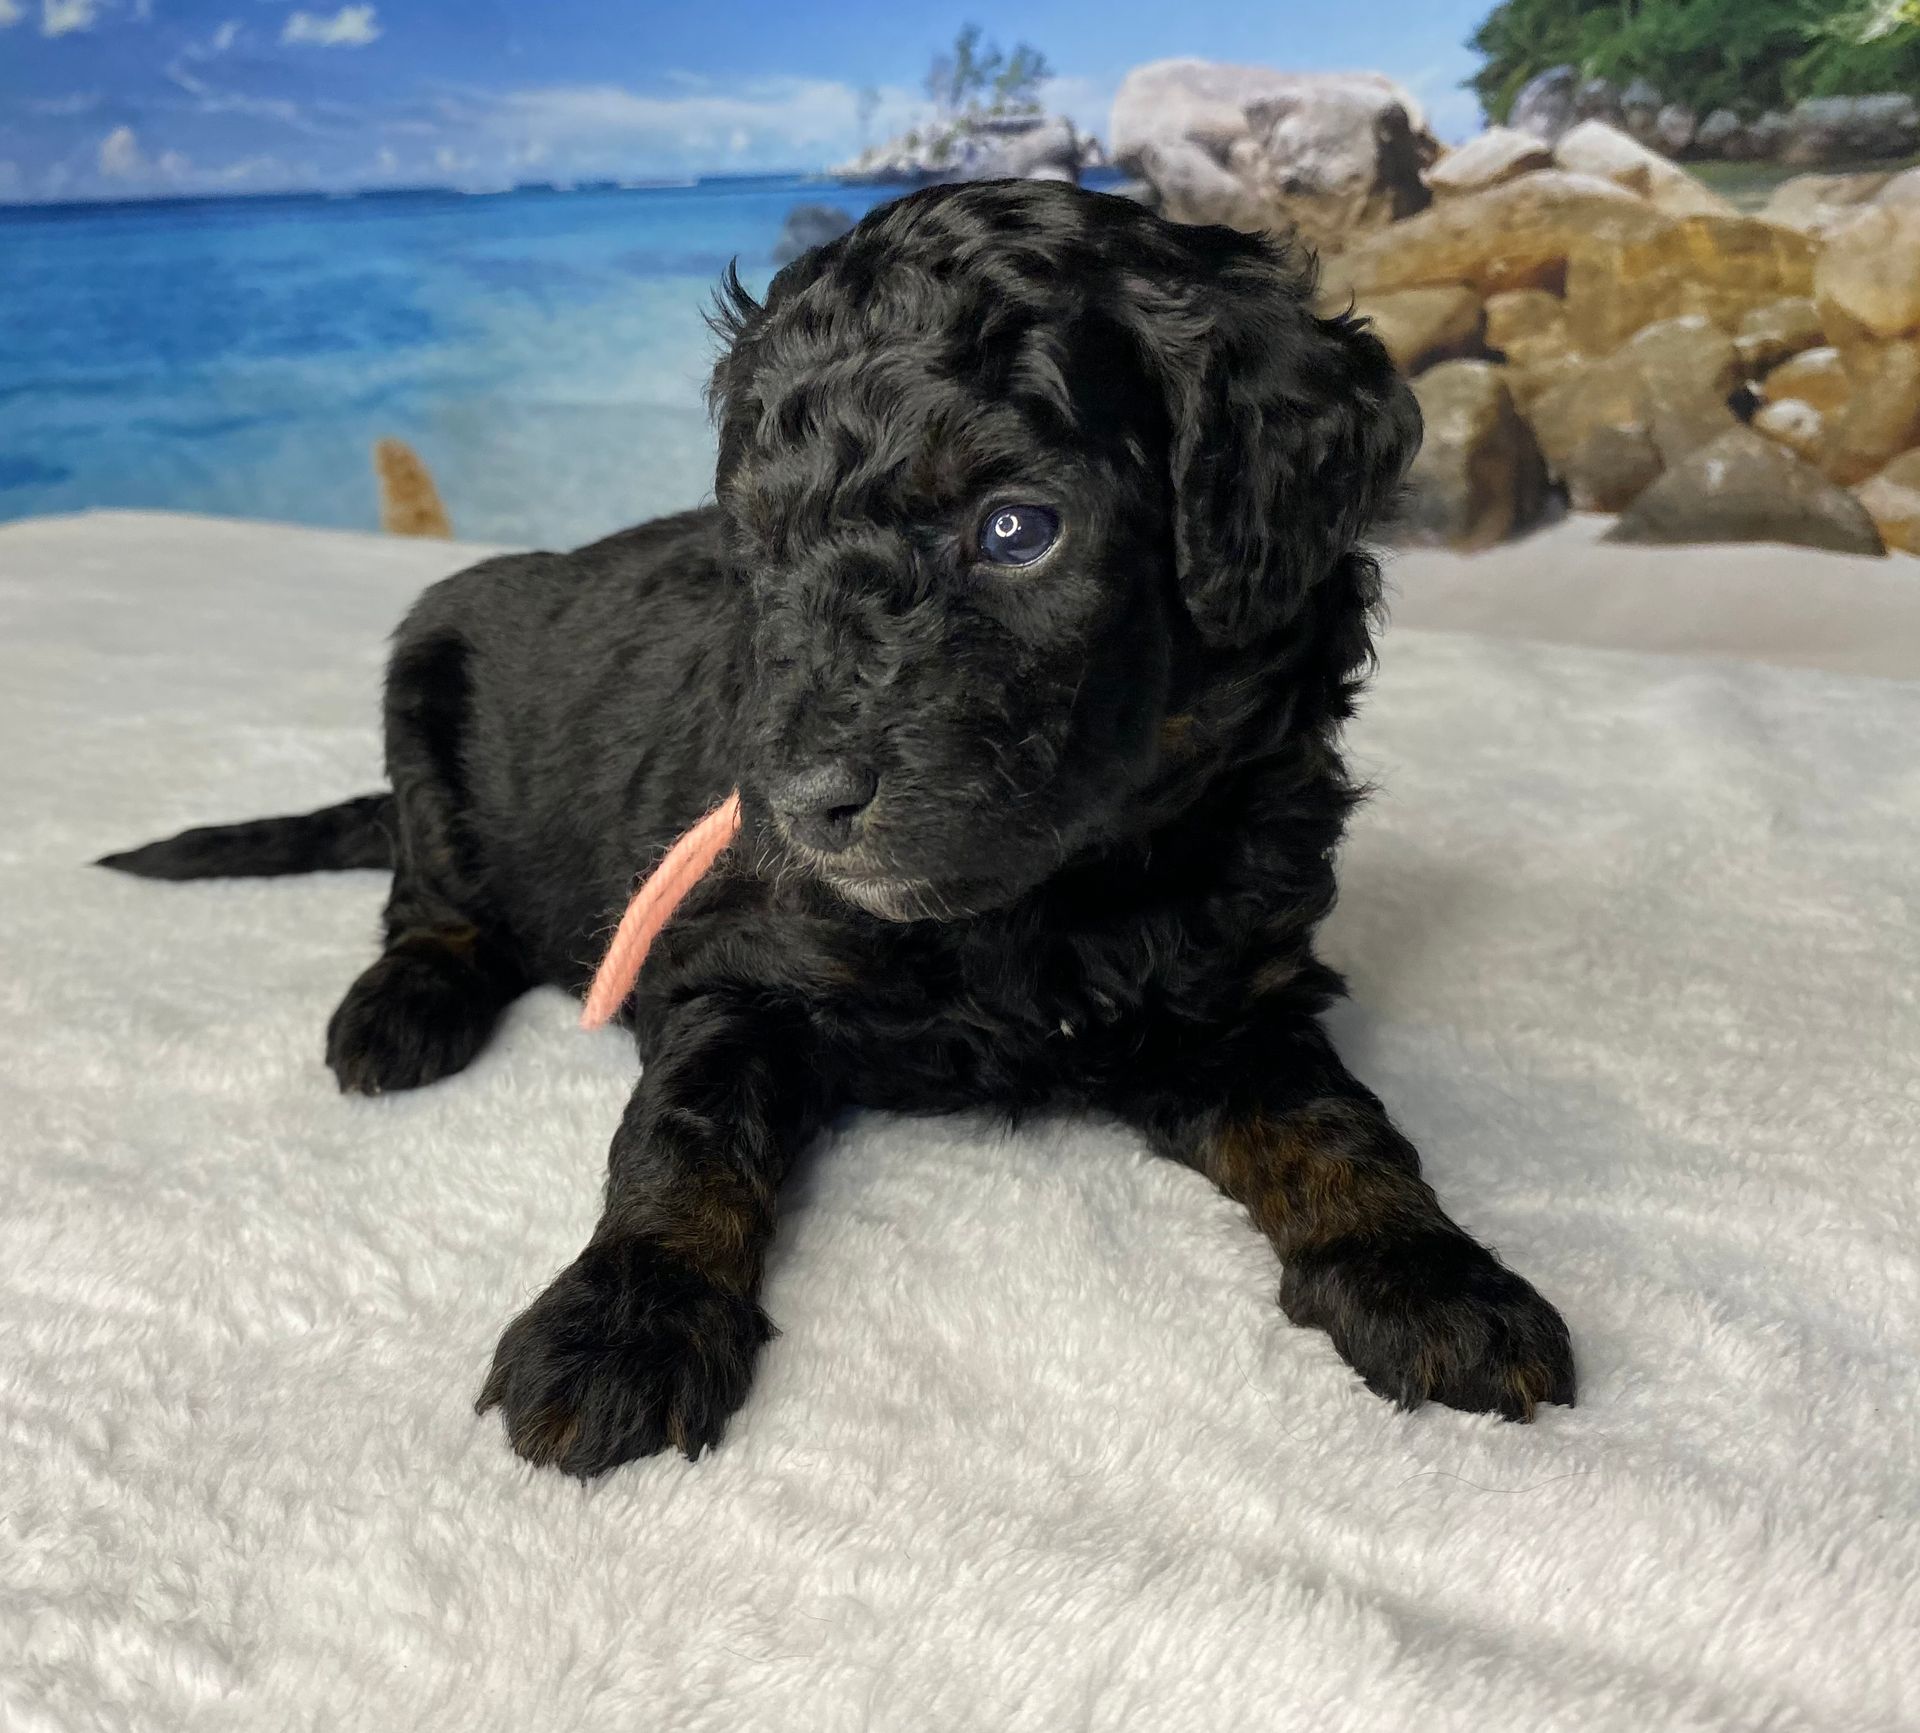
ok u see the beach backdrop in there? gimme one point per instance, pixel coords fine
(242, 240)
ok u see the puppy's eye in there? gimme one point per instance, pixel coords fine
(1017, 535)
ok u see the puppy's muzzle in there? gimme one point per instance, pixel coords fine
(822, 807)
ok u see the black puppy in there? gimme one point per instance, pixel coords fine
(1025, 623)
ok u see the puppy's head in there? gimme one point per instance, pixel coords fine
(1022, 480)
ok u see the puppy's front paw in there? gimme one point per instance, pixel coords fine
(629, 1351)
(1433, 1316)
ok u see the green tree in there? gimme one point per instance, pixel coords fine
(1519, 40)
(960, 73)
(1866, 42)
(1017, 85)
(1878, 19)
(974, 73)
(1746, 55)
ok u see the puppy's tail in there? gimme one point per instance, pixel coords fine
(356, 833)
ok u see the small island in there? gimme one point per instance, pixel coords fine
(987, 123)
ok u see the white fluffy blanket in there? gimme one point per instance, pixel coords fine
(1634, 959)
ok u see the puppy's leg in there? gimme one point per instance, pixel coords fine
(1417, 1307)
(647, 1340)
(447, 970)
(427, 1006)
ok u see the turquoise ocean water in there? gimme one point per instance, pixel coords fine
(543, 350)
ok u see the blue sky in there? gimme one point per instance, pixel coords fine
(138, 98)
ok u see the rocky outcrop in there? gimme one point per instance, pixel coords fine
(1050, 151)
(1903, 190)
(976, 147)
(1674, 127)
(1531, 379)
(807, 227)
(1742, 487)
(1766, 136)
(1479, 477)
(1674, 382)
(1851, 128)
(1548, 104)
(1597, 99)
(1724, 134)
(1498, 154)
(1892, 499)
(1869, 271)
(1816, 376)
(1610, 468)
(1798, 426)
(1881, 418)
(1329, 156)
(1516, 236)
(1595, 148)
(1817, 131)
(1776, 332)
(1612, 309)
(1424, 326)
(1813, 204)
(1527, 325)
(1722, 267)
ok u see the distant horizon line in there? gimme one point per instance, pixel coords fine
(448, 189)
(442, 189)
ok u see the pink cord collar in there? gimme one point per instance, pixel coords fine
(665, 889)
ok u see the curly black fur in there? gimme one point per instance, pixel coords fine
(1108, 788)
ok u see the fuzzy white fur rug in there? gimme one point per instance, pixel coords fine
(1634, 956)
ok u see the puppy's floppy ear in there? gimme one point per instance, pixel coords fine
(1291, 434)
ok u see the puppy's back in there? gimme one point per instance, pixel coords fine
(580, 710)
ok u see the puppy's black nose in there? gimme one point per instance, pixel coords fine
(821, 806)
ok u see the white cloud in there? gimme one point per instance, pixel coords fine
(62, 17)
(248, 171)
(682, 124)
(350, 27)
(10, 14)
(120, 158)
(120, 154)
(225, 37)
(800, 119)
(79, 102)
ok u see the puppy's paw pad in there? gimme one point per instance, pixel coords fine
(631, 1351)
(410, 1020)
(1435, 1317)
